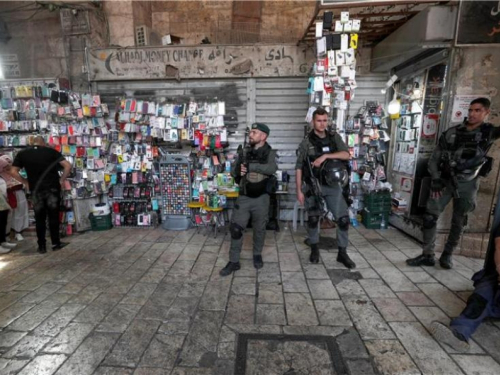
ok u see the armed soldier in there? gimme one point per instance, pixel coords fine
(455, 165)
(322, 157)
(254, 170)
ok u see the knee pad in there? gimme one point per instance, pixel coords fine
(475, 306)
(312, 221)
(343, 223)
(236, 231)
(429, 221)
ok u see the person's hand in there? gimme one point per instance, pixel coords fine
(300, 197)
(317, 163)
(244, 170)
(437, 187)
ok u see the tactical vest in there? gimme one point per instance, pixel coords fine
(256, 183)
(467, 150)
(319, 146)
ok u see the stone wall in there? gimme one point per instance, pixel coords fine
(476, 71)
(194, 20)
(37, 41)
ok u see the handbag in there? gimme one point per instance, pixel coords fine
(11, 198)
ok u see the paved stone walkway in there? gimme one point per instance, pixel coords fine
(152, 302)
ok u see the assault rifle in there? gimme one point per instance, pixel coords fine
(243, 160)
(316, 189)
(448, 166)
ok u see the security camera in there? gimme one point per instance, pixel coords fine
(389, 83)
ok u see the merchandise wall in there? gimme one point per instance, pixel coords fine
(416, 129)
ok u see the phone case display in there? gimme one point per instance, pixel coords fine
(175, 181)
(334, 75)
(211, 174)
(199, 122)
(407, 129)
(367, 139)
(134, 198)
(73, 124)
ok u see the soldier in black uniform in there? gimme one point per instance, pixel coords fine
(456, 164)
(254, 171)
(325, 152)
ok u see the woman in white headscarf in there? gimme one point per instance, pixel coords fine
(19, 204)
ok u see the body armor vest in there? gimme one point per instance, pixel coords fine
(467, 150)
(330, 172)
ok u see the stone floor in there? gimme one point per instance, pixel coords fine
(152, 302)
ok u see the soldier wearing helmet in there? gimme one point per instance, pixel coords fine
(326, 156)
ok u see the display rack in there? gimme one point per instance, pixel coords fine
(175, 182)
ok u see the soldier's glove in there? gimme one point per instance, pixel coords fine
(437, 185)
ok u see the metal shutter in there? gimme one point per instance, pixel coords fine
(282, 104)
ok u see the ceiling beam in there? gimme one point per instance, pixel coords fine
(316, 11)
(366, 4)
(377, 15)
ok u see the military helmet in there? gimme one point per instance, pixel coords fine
(334, 173)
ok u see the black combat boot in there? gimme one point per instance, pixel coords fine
(258, 263)
(314, 257)
(230, 268)
(343, 258)
(421, 260)
(445, 260)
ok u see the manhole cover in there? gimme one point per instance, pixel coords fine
(288, 354)
(338, 276)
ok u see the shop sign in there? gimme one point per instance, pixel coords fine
(432, 109)
(479, 22)
(9, 65)
(175, 62)
(461, 105)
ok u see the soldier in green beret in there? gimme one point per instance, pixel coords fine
(254, 171)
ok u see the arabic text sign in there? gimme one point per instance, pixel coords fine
(9, 65)
(198, 62)
(479, 22)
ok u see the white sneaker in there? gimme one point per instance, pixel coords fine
(4, 250)
(9, 245)
(19, 237)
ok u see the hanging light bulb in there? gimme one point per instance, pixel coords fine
(417, 93)
(394, 107)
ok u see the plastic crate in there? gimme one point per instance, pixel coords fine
(379, 207)
(372, 220)
(380, 197)
(99, 223)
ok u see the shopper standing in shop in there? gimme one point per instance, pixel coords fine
(16, 198)
(323, 154)
(456, 164)
(42, 165)
(254, 171)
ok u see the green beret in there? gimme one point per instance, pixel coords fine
(262, 127)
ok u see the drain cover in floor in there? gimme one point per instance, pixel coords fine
(288, 355)
(338, 276)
